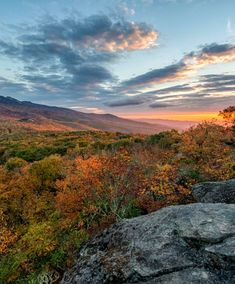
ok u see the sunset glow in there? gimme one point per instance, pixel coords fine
(198, 117)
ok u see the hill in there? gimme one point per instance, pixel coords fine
(49, 118)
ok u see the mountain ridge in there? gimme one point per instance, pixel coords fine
(42, 117)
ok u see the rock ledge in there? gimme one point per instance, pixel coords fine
(179, 244)
(215, 192)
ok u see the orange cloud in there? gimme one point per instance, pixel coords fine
(211, 55)
(137, 39)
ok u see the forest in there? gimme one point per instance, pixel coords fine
(58, 189)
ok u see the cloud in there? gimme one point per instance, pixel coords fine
(92, 74)
(97, 32)
(171, 72)
(9, 87)
(194, 101)
(160, 105)
(176, 88)
(128, 101)
(124, 10)
(211, 54)
(214, 83)
(71, 57)
(202, 103)
(188, 65)
(198, 93)
(218, 77)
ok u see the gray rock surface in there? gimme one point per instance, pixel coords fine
(178, 244)
(215, 192)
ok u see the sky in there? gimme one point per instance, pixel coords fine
(169, 59)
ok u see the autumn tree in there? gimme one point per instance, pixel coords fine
(228, 114)
(45, 172)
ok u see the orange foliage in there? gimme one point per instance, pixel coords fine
(162, 189)
(49, 207)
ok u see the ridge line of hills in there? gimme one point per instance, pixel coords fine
(51, 118)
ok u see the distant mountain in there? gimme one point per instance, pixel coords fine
(42, 117)
(173, 124)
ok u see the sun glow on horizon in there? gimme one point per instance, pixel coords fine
(197, 117)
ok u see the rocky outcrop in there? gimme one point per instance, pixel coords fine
(178, 244)
(214, 192)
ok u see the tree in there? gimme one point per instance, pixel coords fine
(228, 114)
(45, 172)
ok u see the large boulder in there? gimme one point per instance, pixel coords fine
(215, 192)
(178, 244)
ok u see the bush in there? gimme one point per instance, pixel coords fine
(47, 171)
(15, 164)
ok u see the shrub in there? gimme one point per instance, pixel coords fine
(47, 171)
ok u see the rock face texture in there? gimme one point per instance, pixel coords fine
(215, 192)
(179, 244)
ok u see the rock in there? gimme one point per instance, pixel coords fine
(191, 275)
(178, 244)
(215, 192)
